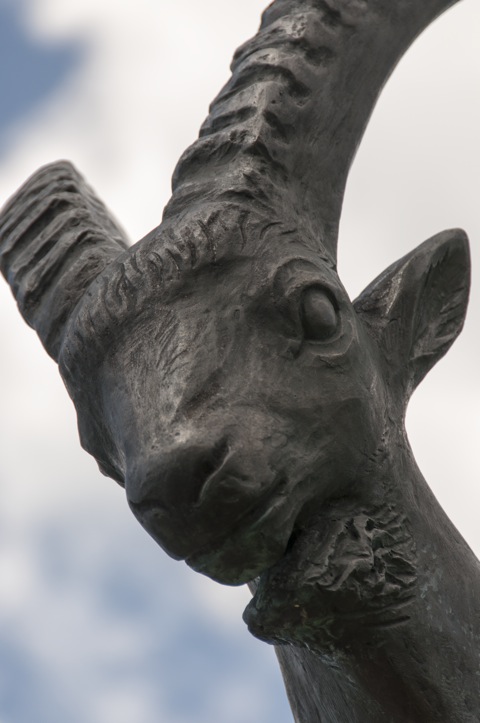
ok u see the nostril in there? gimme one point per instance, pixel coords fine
(177, 477)
(206, 467)
(219, 452)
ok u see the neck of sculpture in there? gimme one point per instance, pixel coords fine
(386, 595)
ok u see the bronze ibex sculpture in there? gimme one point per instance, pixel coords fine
(254, 414)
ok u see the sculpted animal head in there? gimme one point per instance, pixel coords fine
(219, 370)
(253, 391)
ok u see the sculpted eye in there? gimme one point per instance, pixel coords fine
(318, 314)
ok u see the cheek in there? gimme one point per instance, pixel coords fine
(339, 423)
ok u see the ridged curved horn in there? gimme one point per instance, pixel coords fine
(283, 132)
(56, 236)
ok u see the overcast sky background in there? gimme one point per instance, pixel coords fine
(96, 623)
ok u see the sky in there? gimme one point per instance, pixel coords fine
(96, 623)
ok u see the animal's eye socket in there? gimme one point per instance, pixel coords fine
(318, 314)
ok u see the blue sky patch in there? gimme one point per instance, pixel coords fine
(30, 70)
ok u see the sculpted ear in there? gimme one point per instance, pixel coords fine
(56, 237)
(416, 308)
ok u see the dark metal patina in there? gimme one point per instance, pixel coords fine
(253, 413)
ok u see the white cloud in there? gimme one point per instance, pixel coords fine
(124, 118)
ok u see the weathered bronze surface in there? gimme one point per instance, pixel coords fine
(253, 413)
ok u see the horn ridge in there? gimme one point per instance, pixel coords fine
(56, 236)
(285, 128)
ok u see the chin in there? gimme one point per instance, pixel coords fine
(245, 554)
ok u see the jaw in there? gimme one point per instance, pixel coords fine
(349, 570)
(231, 548)
(245, 517)
(263, 538)
(256, 543)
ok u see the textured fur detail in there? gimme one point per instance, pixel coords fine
(347, 571)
